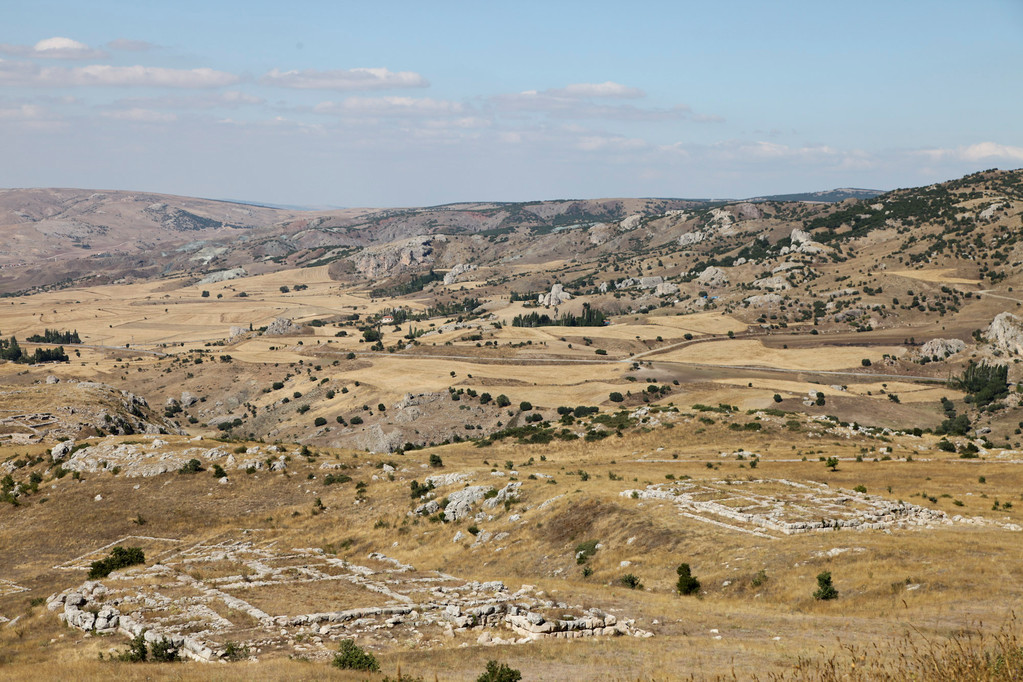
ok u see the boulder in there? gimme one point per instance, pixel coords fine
(62, 451)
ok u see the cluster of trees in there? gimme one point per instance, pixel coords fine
(983, 383)
(55, 336)
(12, 352)
(590, 317)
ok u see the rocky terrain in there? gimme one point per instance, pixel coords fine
(433, 431)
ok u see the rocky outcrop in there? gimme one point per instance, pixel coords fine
(62, 451)
(392, 259)
(776, 283)
(630, 223)
(941, 348)
(666, 289)
(555, 297)
(689, 238)
(223, 276)
(375, 439)
(461, 501)
(712, 277)
(763, 300)
(1006, 333)
(802, 242)
(282, 326)
(462, 268)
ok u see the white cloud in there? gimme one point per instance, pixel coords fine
(101, 75)
(390, 106)
(605, 89)
(140, 115)
(990, 150)
(54, 48)
(980, 151)
(345, 79)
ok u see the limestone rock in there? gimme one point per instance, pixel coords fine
(776, 283)
(392, 259)
(712, 277)
(452, 276)
(281, 326)
(62, 450)
(556, 297)
(666, 289)
(763, 300)
(1006, 333)
(941, 348)
(460, 502)
(690, 238)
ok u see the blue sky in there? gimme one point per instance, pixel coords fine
(414, 103)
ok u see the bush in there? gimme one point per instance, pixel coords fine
(355, 421)
(350, 656)
(319, 421)
(503, 400)
(193, 466)
(119, 557)
(777, 397)
(137, 651)
(499, 672)
(687, 584)
(436, 461)
(631, 581)
(163, 651)
(865, 362)
(825, 590)
(218, 471)
(616, 397)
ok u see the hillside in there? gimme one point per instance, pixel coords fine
(495, 431)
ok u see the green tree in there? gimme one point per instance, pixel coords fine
(825, 590)
(687, 584)
(499, 672)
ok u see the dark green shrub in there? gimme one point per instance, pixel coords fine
(616, 397)
(119, 557)
(631, 581)
(499, 672)
(687, 584)
(218, 471)
(137, 651)
(436, 461)
(193, 466)
(319, 421)
(163, 651)
(825, 590)
(355, 421)
(350, 656)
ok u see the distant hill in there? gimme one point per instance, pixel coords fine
(828, 196)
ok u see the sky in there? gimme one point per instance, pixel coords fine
(422, 103)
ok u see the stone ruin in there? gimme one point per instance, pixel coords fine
(304, 601)
(772, 508)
